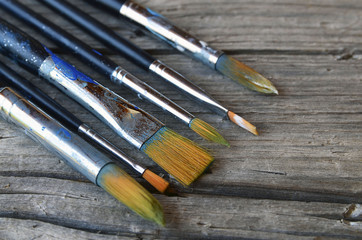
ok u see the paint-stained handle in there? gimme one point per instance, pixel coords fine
(25, 51)
(38, 97)
(57, 139)
(59, 36)
(130, 122)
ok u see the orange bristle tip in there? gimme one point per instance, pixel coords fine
(156, 181)
(241, 122)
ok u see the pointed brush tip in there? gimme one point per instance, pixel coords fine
(207, 131)
(242, 74)
(241, 122)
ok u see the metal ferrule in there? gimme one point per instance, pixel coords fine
(70, 147)
(127, 120)
(90, 133)
(144, 91)
(186, 86)
(165, 30)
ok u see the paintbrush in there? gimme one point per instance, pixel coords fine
(71, 122)
(111, 70)
(79, 154)
(186, 43)
(179, 156)
(142, 58)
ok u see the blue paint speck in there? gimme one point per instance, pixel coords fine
(64, 135)
(100, 54)
(68, 70)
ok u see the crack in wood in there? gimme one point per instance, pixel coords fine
(1, 138)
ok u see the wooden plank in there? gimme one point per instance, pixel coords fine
(294, 181)
(53, 206)
(278, 25)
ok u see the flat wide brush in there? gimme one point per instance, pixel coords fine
(67, 119)
(145, 61)
(110, 69)
(79, 154)
(186, 43)
(130, 122)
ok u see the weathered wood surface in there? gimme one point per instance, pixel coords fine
(294, 181)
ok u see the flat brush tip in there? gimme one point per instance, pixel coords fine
(244, 75)
(179, 156)
(241, 122)
(207, 131)
(156, 181)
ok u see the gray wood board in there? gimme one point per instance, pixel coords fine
(294, 181)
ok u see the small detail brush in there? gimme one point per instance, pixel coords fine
(186, 161)
(186, 43)
(71, 122)
(79, 154)
(109, 68)
(142, 59)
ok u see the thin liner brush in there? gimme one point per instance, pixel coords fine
(112, 71)
(186, 43)
(130, 122)
(80, 155)
(142, 59)
(71, 122)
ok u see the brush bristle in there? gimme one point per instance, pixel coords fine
(244, 75)
(241, 122)
(207, 131)
(156, 181)
(124, 188)
(179, 156)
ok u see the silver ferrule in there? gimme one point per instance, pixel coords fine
(144, 91)
(69, 146)
(127, 120)
(165, 30)
(93, 135)
(187, 87)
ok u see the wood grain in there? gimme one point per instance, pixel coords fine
(294, 181)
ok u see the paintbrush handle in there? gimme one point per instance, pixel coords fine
(34, 94)
(102, 33)
(137, 55)
(104, 65)
(127, 120)
(165, 30)
(71, 148)
(100, 62)
(113, 5)
(59, 113)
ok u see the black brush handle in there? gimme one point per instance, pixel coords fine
(28, 53)
(39, 98)
(102, 33)
(113, 5)
(59, 36)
